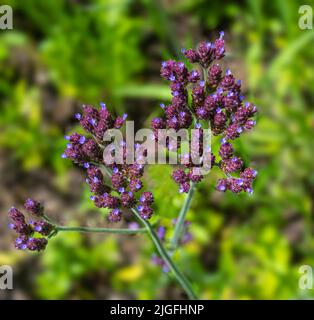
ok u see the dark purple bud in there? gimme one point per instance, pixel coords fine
(110, 201)
(206, 52)
(179, 176)
(42, 227)
(219, 47)
(191, 55)
(135, 170)
(214, 75)
(226, 150)
(158, 123)
(145, 211)
(118, 181)
(22, 228)
(120, 121)
(231, 165)
(194, 76)
(235, 185)
(128, 200)
(92, 150)
(184, 187)
(16, 215)
(20, 243)
(249, 174)
(227, 82)
(36, 244)
(233, 131)
(147, 198)
(115, 215)
(195, 177)
(222, 185)
(135, 185)
(34, 207)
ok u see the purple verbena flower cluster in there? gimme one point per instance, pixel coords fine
(125, 179)
(28, 231)
(215, 97)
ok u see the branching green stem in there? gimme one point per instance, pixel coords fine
(179, 226)
(166, 257)
(100, 230)
(186, 286)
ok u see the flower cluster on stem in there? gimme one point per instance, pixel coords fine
(123, 189)
(32, 234)
(215, 98)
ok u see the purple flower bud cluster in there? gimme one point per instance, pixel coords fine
(121, 189)
(216, 98)
(125, 184)
(236, 185)
(34, 207)
(28, 231)
(207, 52)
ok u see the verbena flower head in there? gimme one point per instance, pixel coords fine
(31, 234)
(215, 97)
(122, 187)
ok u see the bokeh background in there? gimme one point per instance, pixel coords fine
(62, 54)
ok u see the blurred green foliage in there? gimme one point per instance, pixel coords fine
(244, 247)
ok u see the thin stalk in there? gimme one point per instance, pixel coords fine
(186, 286)
(204, 75)
(100, 230)
(47, 219)
(179, 226)
(166, 257)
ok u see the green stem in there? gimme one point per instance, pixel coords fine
(166, 257)
(48, 219)
(162, 251)
(179, 226)
(100, 230)
(204, 75)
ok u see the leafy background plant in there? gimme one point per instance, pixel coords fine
(62, 54)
